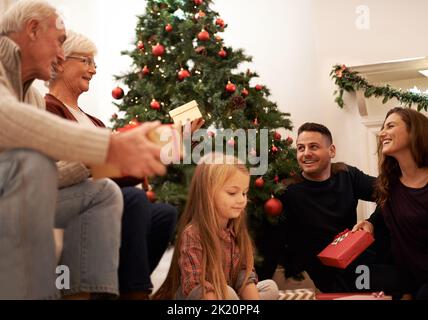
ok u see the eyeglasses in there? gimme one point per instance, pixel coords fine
(90, 62)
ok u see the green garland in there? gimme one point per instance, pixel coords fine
(350, 81)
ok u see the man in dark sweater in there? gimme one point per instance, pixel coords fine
(320, 203)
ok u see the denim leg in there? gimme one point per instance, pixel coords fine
(91, 214)
(28, 192)
(163, 223)
(134, 266)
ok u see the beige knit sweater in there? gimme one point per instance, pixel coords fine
(25, 124)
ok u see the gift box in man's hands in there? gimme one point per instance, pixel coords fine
(345, 248)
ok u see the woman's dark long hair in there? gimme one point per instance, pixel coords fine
(389, 168)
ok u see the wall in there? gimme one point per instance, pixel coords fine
(294, 45)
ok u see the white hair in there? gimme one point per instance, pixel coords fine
(78, 43)
(23, 11)
(75, 43)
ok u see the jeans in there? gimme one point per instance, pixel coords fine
(147, 230)
(30, 207)
(90, 214)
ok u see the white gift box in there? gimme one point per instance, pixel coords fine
(188, 112)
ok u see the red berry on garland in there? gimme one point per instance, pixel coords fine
(169, 28)
(140, 45)
(183, 74)
(222, 53)
(259, 183)
(289, 141)
(275, 150)
(230, 87)
(245, 93)
(114, 116)
(155, 105)
(198, 2)
(273, 207)
(276, 180)
(117, 93)
(158, 50)
(146, 70)
(218, 38)
(220, 22)
(277, 136)
(151, 195)
(203, 35)
(259, 87)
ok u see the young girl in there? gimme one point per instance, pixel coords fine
(213, 257)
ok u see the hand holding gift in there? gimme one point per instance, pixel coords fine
(156, 138)
(345, 248)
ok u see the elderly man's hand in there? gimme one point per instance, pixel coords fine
(134, 154)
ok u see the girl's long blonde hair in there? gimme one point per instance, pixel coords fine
(200, 212)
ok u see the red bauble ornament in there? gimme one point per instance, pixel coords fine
(277, 136)
(273, 207)
(289, 141)
(183, 74)
(276, 180)
(230, 87)
(275, 150)
(158, 50)
(200, 15)
(117, 93)
(155, 105)
(259, 183)
(198, 2)
(140, 45)
(203, 35)
(245, 93)
(169, 28)
(151, 195)
(146, 70)
(222, 53)
(220, 22)
(259, 87)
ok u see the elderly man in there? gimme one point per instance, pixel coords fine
(31, 38)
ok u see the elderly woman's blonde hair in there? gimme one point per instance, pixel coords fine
(23, 11)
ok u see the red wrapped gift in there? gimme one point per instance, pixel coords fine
(345, 248)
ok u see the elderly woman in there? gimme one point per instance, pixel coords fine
(146, 228)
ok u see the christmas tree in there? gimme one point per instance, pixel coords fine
(179, 56)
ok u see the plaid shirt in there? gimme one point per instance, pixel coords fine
(191, 259)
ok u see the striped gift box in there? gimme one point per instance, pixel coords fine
(297, 294)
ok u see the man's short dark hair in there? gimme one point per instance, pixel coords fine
(316, 127)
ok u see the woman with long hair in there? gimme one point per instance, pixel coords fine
(213, 257)
(402, 194)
